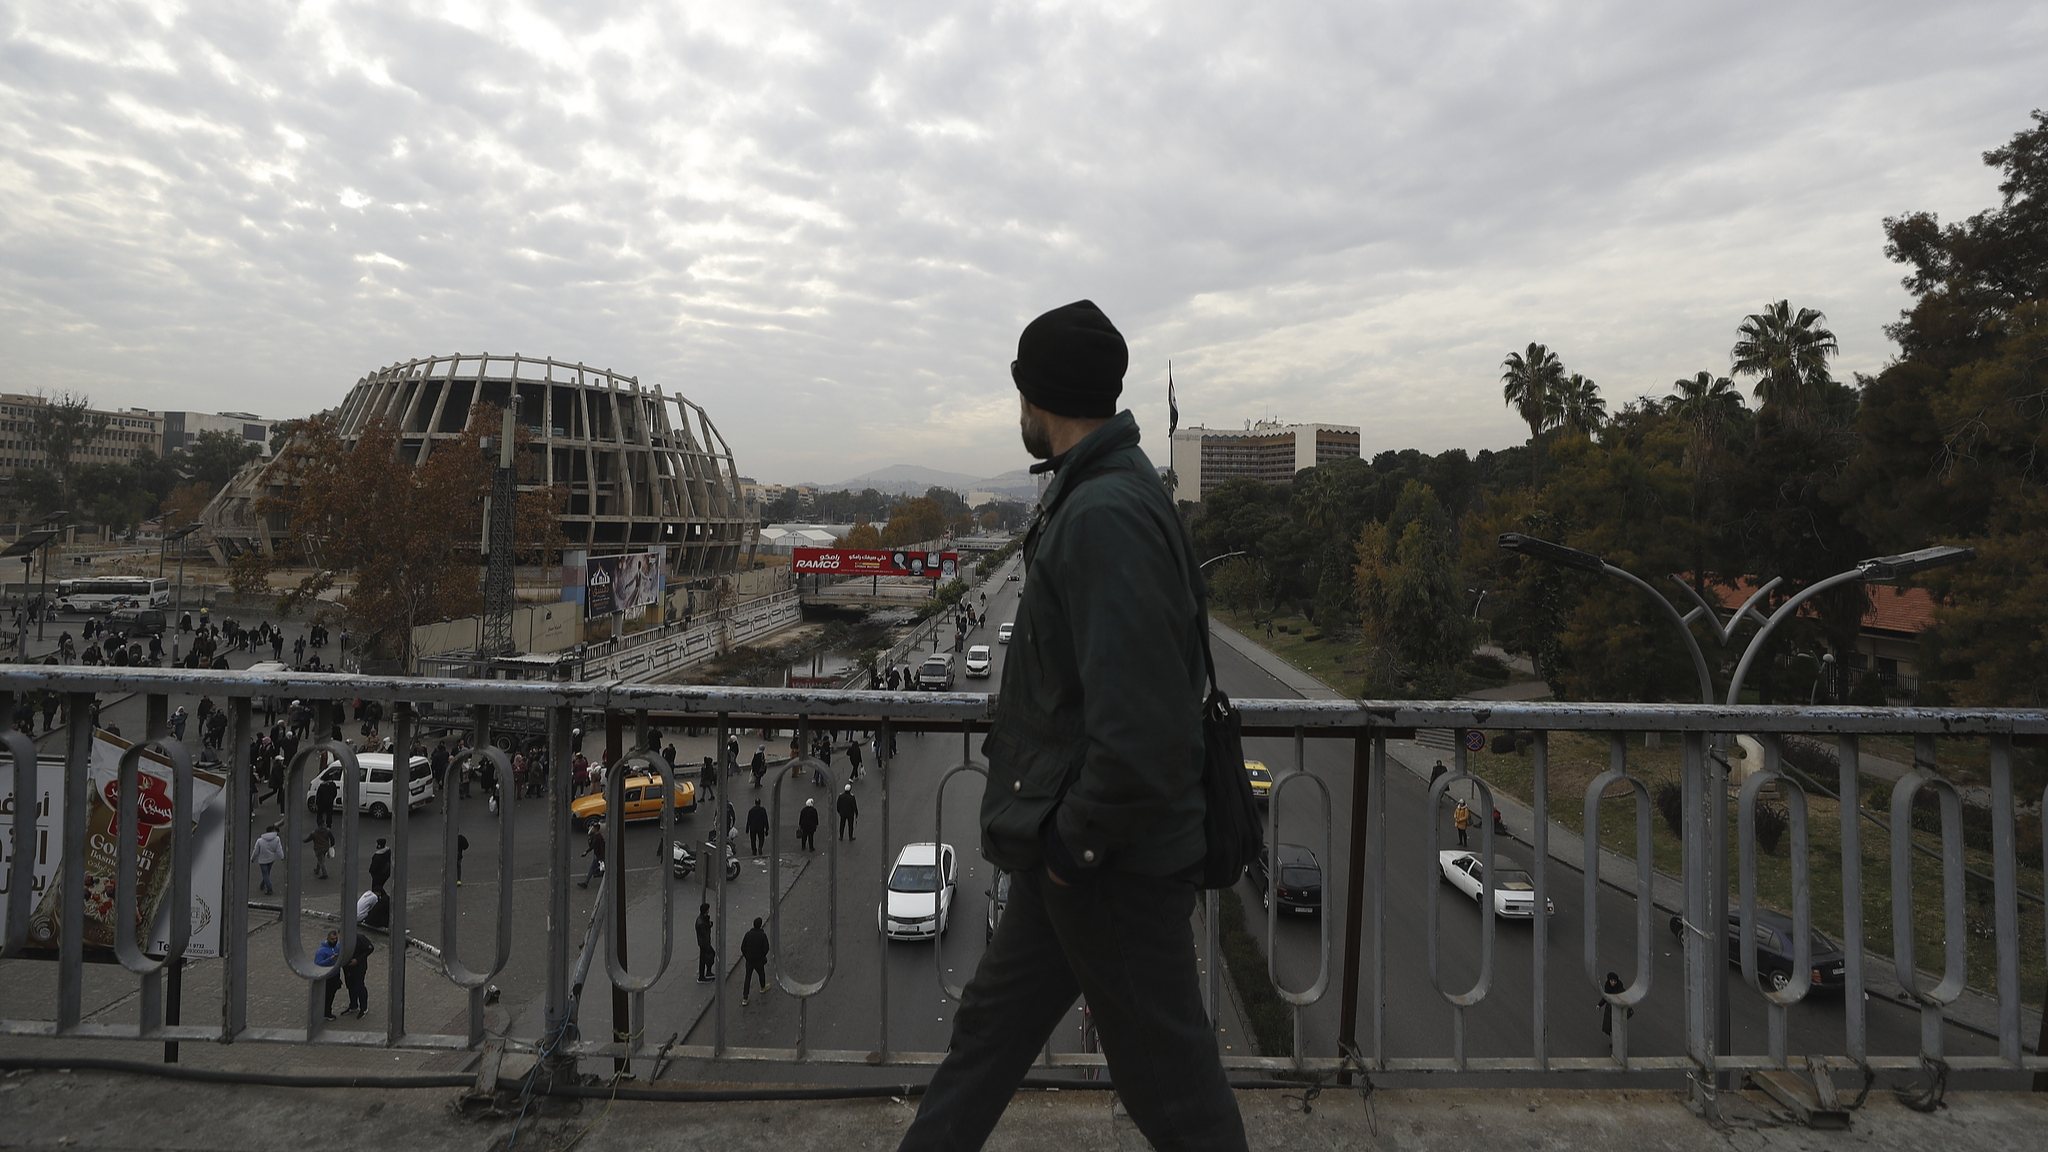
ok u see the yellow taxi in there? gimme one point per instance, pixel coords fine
(1261, 778)
(642, 797)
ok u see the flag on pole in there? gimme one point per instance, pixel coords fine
(1172, 406)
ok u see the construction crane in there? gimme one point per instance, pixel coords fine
(496, 639)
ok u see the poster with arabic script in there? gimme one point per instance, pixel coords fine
(153, 862)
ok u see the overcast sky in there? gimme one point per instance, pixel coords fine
(826, 223)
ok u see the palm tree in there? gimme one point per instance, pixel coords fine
(1576, 404)
(1527, 381)
(1707, 405)
(1788, 354)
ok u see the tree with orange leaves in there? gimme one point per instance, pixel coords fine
(403, 535)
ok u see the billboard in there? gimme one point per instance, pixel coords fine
(621, 583)
(877, 562)
(153, 857)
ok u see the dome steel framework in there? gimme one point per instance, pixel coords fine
(634, 478)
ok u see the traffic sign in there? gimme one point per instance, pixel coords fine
(1475, 740)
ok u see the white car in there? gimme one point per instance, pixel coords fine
(1003, 633)
(373, 793)
(920, 897)
(1514, 893)
(977, 661)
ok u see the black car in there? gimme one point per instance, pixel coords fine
(1301, 881)
(138, 621)
(1774, 951)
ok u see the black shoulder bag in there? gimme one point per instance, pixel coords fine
(1231, 818)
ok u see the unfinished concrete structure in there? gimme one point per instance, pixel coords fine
(634, 477)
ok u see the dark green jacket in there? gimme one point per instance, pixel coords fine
(1102, 690)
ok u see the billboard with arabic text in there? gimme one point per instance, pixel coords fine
(877, 562)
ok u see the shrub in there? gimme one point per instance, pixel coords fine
(1771, 822)
(1671, 805)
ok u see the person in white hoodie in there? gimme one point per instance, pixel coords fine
(269, 850)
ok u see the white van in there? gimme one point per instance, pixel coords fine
(936, 673)
(374, 792)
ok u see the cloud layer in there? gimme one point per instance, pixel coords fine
(826, 223)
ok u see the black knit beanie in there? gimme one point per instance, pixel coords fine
(1071, 362)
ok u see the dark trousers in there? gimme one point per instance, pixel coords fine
(333, 986)
(754, 968)
(359, 987)
(846, 828)
(707, 961)
(807, 840)
(755, 840)
(1123, 941)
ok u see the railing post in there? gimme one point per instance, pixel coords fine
(885, 743)
(234, 896)
(401, 851)
(1354, 900)
(1855, 1014)
(1539, 942)
(556, 1020)
(2005, 879)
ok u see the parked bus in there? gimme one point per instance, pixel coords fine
(106, 593)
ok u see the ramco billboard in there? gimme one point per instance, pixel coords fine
(872, 562)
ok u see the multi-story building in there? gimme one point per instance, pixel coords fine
(182, 428)
(1268, 452)
(126, 434)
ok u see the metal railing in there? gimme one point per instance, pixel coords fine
(1361, 975)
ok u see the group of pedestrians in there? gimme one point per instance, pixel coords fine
(753, 949)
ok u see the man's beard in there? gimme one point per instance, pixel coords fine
(1037, 440)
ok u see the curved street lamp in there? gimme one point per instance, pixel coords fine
(1707, 899)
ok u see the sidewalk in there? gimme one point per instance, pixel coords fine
(1974, 1009)
(108, 1110)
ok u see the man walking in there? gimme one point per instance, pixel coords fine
(754, 949)
(853, 758)
(807, 826)
(327, 955)
(322, 840)
(1094, 800)
(848, 808)
(757, 828)
(268, 850)
(380, 865)
(595, 850)
(323, 801)
(355, 974)
(707, 956)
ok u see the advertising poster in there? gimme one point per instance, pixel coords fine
(621, 583)
(153, 851)
(865, 562)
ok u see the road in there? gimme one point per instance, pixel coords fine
(865, 973)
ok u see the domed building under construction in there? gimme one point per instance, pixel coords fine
(635, 479)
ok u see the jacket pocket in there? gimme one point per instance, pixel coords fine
(1025, 775)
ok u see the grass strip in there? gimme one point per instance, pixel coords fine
(1270, 1018)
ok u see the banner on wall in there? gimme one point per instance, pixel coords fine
(621, 583)
(876, 562)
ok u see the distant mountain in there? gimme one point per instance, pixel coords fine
(906, 479)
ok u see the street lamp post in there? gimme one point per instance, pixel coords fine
(178, 610)
(1708, 900)
(43, 599)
